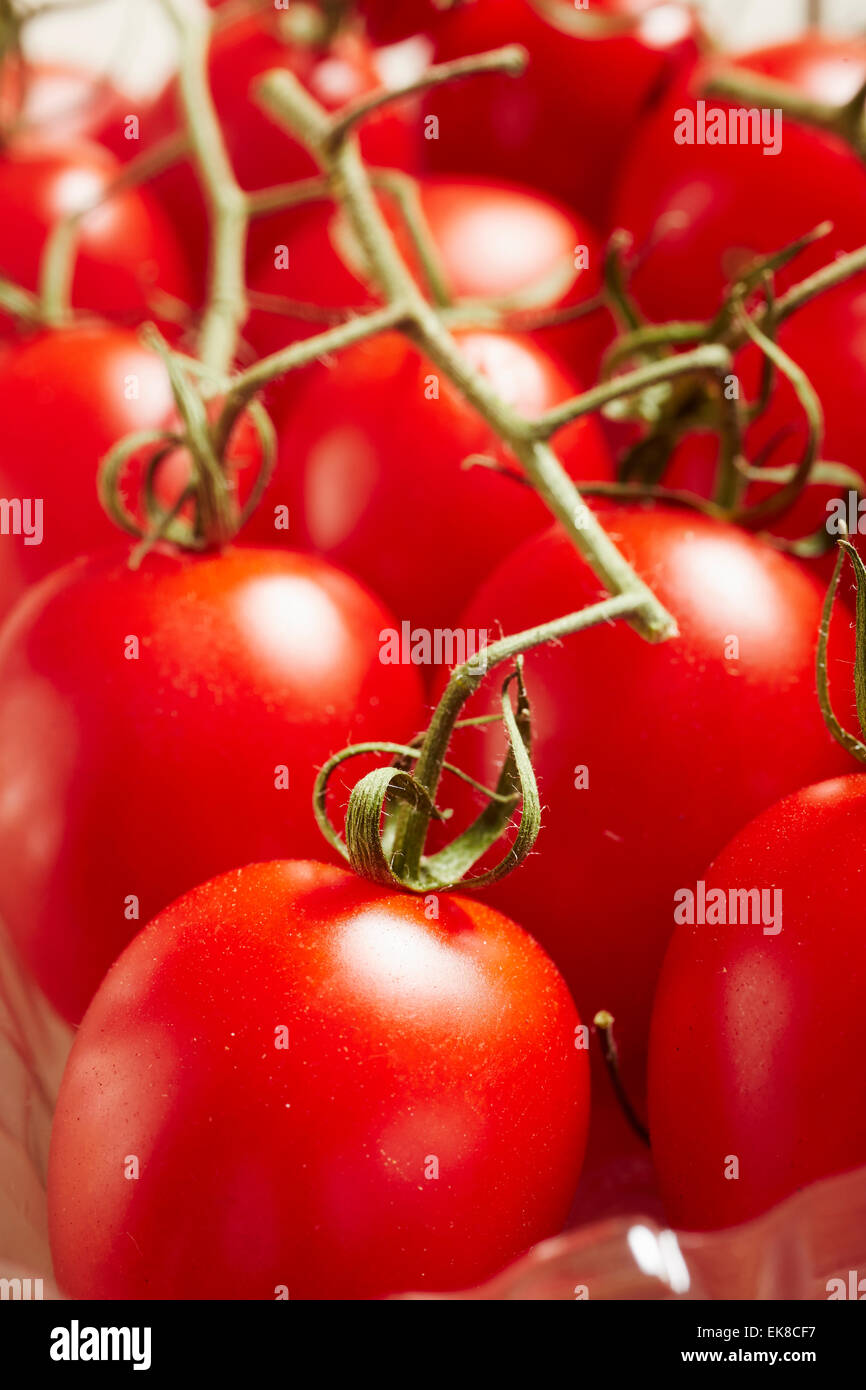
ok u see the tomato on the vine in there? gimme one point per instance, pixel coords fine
(701, 212)
(493, 241)
(261, 152)
(757, 1061)
(390, 1098)
(372, 454)
(564, 124)
(163, 724)
(128, 254)
(648, 757)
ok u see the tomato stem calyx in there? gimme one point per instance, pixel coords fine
(390, 809)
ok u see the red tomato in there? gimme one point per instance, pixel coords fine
(820, 66)
(373, 455)
(145, 775)
(40, 98)
(758, 1048)
(494, 241)
(679, 743)
(262, 152)
(422, 1124)
(389, 23)
(127, 250)
(65, 398)
(564, 124)
(710, 209)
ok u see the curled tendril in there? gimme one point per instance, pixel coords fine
(216, 516)
(849, 741)
(267, 436)
(110, 478)
(368, 845)
(806, 394)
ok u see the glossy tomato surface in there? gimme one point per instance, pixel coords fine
(756, 1074)
(127, 250)
(373, 1097)
(649, 757)
(564, 124)
(66, 397)
(161, 725)
(494, 241)
(703, 211)
(374, 450)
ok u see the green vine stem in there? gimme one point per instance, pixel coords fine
(20, 303)
(338, 156)
(243, 387)
(226, 310)
(510, 61)
(713, 358)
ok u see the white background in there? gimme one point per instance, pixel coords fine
(131, 38)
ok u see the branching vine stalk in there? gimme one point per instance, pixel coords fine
(336, 151)
(685, 357)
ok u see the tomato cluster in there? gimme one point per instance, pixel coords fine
(294, 1080)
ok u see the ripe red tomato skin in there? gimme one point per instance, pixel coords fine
(739, 203)
(748, 1029)
(494, 240)
(409, 1040)
(681, 744)
(66, 397)
(376, 464)
(564, 124)
(144, 776)
(389, 23)
(127, 248)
